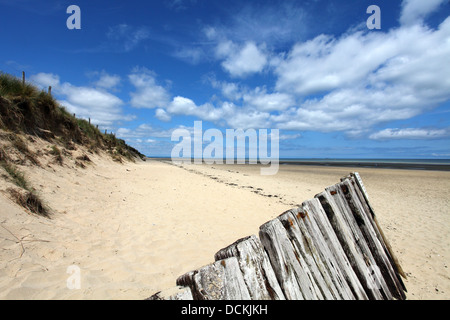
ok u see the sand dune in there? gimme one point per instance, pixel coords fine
(132, 229)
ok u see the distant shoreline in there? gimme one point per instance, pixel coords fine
(366, 164)
(405, 164)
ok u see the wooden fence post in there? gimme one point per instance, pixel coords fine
(23, 78)
(50, 90)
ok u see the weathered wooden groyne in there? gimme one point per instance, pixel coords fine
(329, 248)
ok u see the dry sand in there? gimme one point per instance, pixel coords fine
(132, 229)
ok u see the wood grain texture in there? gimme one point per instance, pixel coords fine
(255, 266)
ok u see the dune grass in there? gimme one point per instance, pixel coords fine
(24, 109)
(16, 176)
(29, 200)
(28, 110)
(25, 196)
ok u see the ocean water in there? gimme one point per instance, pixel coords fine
(415, 164)
(380, 161)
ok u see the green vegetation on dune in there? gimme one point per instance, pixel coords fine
(25, 110)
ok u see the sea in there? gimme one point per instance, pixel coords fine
(410, 164)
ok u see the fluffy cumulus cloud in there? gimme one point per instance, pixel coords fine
(162, 115)
(241, 60)
(148, 93)
(261, 100)
(86, 97)
(107, 81)
(249, 119)
(185, 106)
(326, 63)
(363, 79)
(103, 107)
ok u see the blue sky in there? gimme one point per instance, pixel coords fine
(311, 69)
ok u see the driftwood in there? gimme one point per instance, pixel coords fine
(221, 280)
(255, 266)
(329, 248)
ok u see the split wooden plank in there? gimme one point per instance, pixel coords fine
(383, 238)
(221, 280)
(176, 293)
(292, 271)
(311, 215)
(336, 253)
(373, 239)
(255, 266)
(305, 245)
(352, 241)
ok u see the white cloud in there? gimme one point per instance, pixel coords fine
(107, 81)
(88, 97)
(241, 61)
(414, 11)
(263, 101)
(326, 63)
(162, 115)
(148, 94)
(145, 132)
(181, 105)
(422, 65)
(258, 98)
(364, 79)
(410, 134)
(150, 140)
(351, 110)
(230, 90)
(44, 80)
(185, 106)
(103, 107)
(249, 119)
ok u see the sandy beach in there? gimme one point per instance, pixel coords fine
(132, 229)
